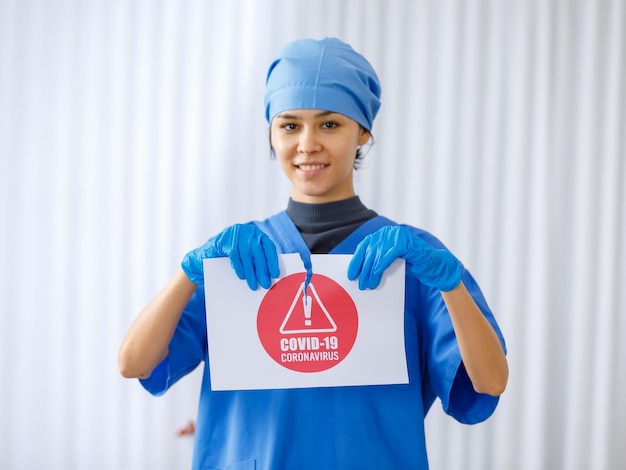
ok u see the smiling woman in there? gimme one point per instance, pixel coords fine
(321, 100)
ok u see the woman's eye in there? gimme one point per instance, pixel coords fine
(330, 125)
(289, 126)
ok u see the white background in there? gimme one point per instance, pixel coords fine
(132, 130)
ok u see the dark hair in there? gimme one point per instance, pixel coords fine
(358, 158)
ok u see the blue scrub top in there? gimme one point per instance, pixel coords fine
(360, 427)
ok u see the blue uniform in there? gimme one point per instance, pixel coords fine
(362, 427)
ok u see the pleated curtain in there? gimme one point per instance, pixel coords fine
(131, 131)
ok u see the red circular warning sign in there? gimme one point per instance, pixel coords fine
(307, 332)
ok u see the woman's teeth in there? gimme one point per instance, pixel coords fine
(311, 167)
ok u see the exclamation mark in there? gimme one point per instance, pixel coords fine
(306, 301)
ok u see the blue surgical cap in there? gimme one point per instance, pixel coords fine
(328, 75)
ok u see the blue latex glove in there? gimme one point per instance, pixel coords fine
(252, 255)
(376, 252)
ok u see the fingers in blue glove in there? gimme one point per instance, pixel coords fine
(377, 251)
(236, 242)
(252, 255)
(356, 263)
(373, 256)
(263, 266)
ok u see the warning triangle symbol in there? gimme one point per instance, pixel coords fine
(307, 314)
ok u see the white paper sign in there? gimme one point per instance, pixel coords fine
(335, 335)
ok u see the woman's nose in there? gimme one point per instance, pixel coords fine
(309, 141)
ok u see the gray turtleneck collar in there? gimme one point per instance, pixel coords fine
(324, 226)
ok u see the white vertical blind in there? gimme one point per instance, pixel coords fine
(132, 131)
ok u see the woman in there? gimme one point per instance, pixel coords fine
(321, 100)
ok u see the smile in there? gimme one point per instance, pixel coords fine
(315, 167)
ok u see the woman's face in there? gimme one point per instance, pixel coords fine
(316, 150)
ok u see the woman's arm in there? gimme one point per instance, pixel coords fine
(481, 351)
(253, 256)
(146, 342)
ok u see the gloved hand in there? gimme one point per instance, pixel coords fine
(435, 268)
(252, 255)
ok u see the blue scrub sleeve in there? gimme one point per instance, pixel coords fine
(187, 348)
(446, 377)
